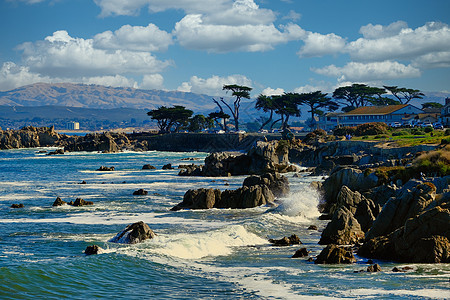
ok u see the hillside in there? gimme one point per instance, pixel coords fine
(102, 97)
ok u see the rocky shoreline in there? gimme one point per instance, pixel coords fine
(383, 203)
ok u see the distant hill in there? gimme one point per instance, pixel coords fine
(101, 97)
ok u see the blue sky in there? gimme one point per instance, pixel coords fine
(274, 46)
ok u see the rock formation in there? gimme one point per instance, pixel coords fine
(134, 233)
(286, 241)
(92, 250)
(334, 254)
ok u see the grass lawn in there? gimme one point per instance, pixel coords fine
(408, 137)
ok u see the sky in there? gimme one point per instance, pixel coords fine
(273, 46)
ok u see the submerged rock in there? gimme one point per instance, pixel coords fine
(20, 205)
(148, 167)
(374, 268)
(92, 250)
(80, 202)
(140, 192)
(168, 167)
(286, 241)
(134, 233)
(59, 202)
(103, 168)
(300, 253)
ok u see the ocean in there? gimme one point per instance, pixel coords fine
(197, 254)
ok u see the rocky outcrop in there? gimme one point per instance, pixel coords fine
(106, 169)
(148, 167)
(93, 250)
(191, 170)
(59, 202)
(108, 142)
(409, 203)
(134, 233)
(422, 239)
(80, 202)
(277, 183)
(28, 137)
(374, 268)
(244, 197)
(17, 205)
(286, 241)
(334, 254)
(140, 192)
(167, 167)
(343, 229)
(302, 252)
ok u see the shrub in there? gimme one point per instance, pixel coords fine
(341, 131)
(400, 133)
(417, 131)
(445, 141)
(381, 136)
(428, 129)
(371, 129)
(447, 132)
(434, 162)
(365, 137)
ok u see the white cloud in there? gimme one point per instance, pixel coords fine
(114, 81)
(213, 85)
(308, 88)
(355, 71)
(135, 38)
(407, 44)
(317, 44)
(192, 33)
(433, 60)
(292, 15)
(152, 81)
(378, 31)
(271, 92)
(120, 7)
(65, 56)
(13, 76)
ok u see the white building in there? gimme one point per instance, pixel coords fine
(445, 113)
(73, 126)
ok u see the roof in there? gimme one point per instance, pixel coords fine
(376, 110)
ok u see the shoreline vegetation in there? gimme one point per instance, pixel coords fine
(388, 200)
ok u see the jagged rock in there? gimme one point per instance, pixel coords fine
(397, 210)
(191, 170)
(343, 229)
(103, 168)
(140, 192)
(278, 184)
(83, 182)
(107, 142)
(354, 179)
(402, 270)
(80, 202)
(246, 197)
(59, 202)
(374, 268)
(134, 233)
(148, 167)
(313, 227)
(28, 137)
(199, 199)
(168, 167)
(333, 254)
(20, 205)
(92, 250)
(286, 241)
(300, 253)
(422, 239)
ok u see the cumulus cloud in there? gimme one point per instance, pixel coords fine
(317, 44)
(13, 76)
(292, 15)
(407, 44)
(378, 31)
(433, 60)
(136, 38)
(65, 56)
(114, 81)
(272, 92)
(355, 71)
(152, 81)
(213, 85)
(192, 33)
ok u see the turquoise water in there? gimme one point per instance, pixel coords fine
(202, 254)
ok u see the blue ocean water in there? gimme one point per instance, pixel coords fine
(202, 254)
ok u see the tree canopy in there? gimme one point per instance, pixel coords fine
(220, 115)
(357, 95)
(404, 95)
(315, 101)
(199, 122)
(239, 92)
(266, 104)
(432, 105)
(169, 117)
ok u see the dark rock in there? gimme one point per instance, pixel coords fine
(168, 167)
(325, 217)
(402, 270)
(286, 241)
(83, 182)
(374, 268)
(92, 250)
(310, 259)
(343, 229)
(246, 197)
(59, 202)
(313, 227)
(148, 167)
(397, 210)
(300, 253)
(140, 192)
(56, 152)
(333, 254)
(17, 205)
(80, 202)
(103, 168)
(108, 142)
(422, 239)
(369, 261)
(199, 199)
(134, 233)
(278, 184)
(191, 170)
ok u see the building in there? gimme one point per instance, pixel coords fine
(73, 126)
(368, 114)
(445, 113)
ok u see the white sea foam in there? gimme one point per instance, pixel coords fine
(300, 205)
(205, 244)
(377, 293)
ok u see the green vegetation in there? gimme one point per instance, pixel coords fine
(238, 91)
(169, 117)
